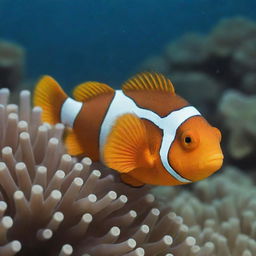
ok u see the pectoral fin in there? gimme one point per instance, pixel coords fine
(127, 146)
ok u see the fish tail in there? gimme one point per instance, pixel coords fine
(50, 97)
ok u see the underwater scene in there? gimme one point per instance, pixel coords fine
(127, 128)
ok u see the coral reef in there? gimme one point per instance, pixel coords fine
(216, 72)
(203, 67)
(220, 212)
(229, 35)
(187, 51)
(190, 82)
(12, 62)
(53, 204)
(239, 113)
(225, 56)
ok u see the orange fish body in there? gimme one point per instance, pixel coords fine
(145, 131)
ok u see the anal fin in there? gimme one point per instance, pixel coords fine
(129, 180)
(74, 148)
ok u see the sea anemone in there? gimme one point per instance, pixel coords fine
(220, 212)
(54, 204)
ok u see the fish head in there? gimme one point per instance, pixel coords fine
(196, 152)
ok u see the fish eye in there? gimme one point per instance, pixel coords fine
(189, 140)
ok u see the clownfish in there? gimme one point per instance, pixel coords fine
(145, 131)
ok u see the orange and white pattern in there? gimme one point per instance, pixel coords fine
(145, 131)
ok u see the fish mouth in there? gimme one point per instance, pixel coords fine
(213, 163)
(215, 157)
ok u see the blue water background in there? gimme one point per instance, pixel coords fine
(104, 40)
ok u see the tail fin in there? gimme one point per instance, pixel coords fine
(49, 96)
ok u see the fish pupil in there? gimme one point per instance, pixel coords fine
(188, 139)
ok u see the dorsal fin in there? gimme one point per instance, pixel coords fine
(149, 81)
(88, 90)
